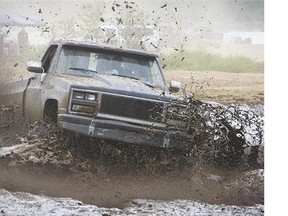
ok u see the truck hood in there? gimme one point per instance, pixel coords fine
(116, 84)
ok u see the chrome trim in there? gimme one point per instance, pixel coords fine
(131, 120)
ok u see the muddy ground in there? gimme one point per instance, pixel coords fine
(39, 159)
(50, 163)
(223, 87)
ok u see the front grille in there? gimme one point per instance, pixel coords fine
(132, 108)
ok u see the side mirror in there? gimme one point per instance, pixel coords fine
(174, 86)
(34, 66)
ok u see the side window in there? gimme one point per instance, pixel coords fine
(47, 59)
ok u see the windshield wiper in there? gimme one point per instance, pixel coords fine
(85, 70)
(150, 85)
(135, 78)
(125, 76)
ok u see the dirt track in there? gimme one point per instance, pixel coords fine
(223, 87)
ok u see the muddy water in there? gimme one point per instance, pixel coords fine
(117, 190)
(111, 174)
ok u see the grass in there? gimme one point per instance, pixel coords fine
(201, 60)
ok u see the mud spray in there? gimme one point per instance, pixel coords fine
(225, 167)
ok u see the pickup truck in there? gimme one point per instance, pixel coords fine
(105, 92)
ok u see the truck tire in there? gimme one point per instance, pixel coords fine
(50, 111)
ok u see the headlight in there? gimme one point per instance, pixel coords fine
(82, 108)
(84, 96)
(78, 95)
(83, 102)
(177, 115)
(91, 97)
(176, 123)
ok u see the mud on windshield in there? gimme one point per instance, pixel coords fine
(89, 62)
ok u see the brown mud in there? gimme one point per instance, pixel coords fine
(118, 189)
(112, 174)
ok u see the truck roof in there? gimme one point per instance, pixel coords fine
(104, 46)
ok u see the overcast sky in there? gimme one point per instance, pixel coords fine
(215, 14)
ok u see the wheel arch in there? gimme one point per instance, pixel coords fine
(50, 110)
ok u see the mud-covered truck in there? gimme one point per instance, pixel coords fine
(104, 92)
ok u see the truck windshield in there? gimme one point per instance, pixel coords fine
(88, 62)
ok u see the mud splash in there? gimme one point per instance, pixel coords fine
(230, 136)
(42, 160)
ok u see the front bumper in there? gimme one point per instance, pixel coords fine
(125, 132)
